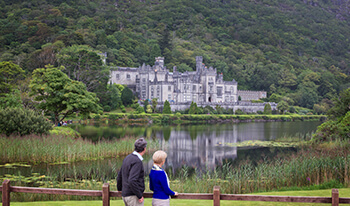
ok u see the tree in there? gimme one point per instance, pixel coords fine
(145, 105)
(60, 96)
(341, 105)
(23, 121)
(149, 109)
(193, 108)
(167, 108)
(282, 106)
(84, 64)
(10, 75)
(115, 96)
(127, 96)
(267, 109)
(11, 100)
(154, 104)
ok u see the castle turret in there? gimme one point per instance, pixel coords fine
(199, 64)
(159, 62)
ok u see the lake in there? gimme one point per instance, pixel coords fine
(200, 147)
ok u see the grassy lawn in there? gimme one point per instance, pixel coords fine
(344, 192)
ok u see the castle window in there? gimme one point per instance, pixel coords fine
(143, 80)
(128, 76)
(194, 88)
(169, 96)
(219, 91)
(187, 97)
(117, 76)
(194, 98)
(169, 88)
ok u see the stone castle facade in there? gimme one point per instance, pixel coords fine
(203, 86)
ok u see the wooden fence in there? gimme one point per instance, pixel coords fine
(106, 194)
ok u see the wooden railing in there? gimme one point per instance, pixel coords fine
(106, 194)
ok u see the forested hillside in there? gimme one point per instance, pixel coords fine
(297, 50)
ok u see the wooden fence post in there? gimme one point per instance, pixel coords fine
(216, 195)
(335, 197)
(6, 193)
(105, 194)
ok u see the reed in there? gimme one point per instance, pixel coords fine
(35, 149)
(309, 168)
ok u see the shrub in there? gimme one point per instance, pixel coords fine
(139, 110)
(267, 109)
(239, 111)
(97, 117)
(106, 108)
(65, 131)
(23, 122)
(112, 116)
(166, 109)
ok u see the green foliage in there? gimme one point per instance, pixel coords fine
(166, 108)
(115, 96)
(82, 63)
(341, 105)
(12, 99)
(239, 112)
(23, 122)
(282, 106)
(60, 96)
(263, 46)
(267, 109)
(154, 104)
(10, 74)
(106, 108)
(149, 109)
(193, 108)
(127, 96)
(65, 131)
(145, 105)
(139, 110)
(275, 98)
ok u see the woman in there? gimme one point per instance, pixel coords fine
(159, 182)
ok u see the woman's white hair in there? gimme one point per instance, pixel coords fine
(159, 156)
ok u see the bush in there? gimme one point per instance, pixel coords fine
(65, 131)
(166, 109)
(23, 122)
(239, 111)
(97, 117)
(112, 116)
(139, 110)
(106, 108)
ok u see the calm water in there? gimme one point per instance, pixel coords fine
(202, 146)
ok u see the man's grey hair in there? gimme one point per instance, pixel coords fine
(140, 145)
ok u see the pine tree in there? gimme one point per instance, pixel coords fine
(166, 109)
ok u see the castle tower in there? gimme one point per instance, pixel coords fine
(199, 64)
(159, 62)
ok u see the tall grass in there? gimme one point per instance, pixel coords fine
(309, 168)
(35, 149)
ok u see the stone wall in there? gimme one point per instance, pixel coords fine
(244, 106)
(247, 95)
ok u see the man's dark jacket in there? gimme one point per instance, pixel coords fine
(130, 178)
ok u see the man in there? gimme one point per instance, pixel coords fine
(130, 180)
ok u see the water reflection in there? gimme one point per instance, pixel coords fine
(193, 146)
(207, 146)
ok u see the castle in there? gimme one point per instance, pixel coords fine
(203, 86)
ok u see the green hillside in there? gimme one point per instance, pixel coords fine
(297, 50)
